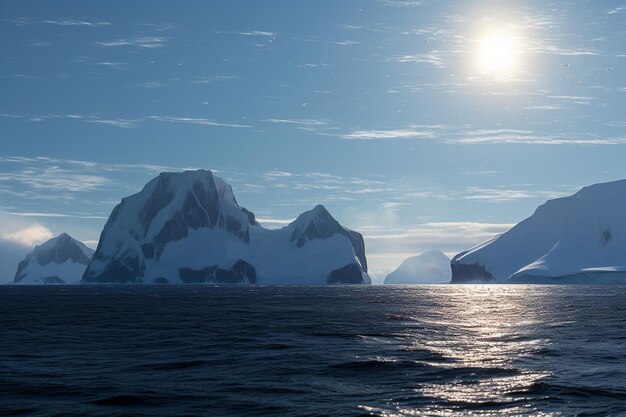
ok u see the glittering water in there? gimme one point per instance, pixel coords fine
(252, 351)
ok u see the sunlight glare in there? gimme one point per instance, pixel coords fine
(498, 53)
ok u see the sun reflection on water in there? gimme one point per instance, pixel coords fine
(483, 334)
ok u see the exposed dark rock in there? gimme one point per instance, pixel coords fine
(128, 268)
(462, 273)
(321, 226)
(359, 247)
(58, 250)
(197, 276)
(174, 229)
(194, 215)
(240, 272)
(161, 280)
(244, 269)
(202, 201)
(53, 280)
(64, 250)
(251, 217)
(148, 250)
(349, 274)
(208, 199)
(232, 225)
(20, 275)
(160, 198)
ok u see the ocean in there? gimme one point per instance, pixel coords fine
(438, 350)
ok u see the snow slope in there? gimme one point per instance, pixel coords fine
(188, 228)
(60, 260)
(428, 268)
(575, 239)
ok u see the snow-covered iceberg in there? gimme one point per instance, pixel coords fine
(575, 239)
(430, 267)
(60, 260)
(188, 228)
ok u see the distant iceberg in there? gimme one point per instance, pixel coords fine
(577, 239)
(432, 267)
(188, 228)
(60, 260)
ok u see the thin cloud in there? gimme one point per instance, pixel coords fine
(551, 49)
(433, 58)
(69, 22)
(390, 134)
(116, 65)
(345, 43)
(388, 247)
(195, 121)
(506, 195)
(300, 122)
(122, 123)
(213, 79)
(148, 42)
(46, 214)
(510, 136)
(402, 3)
(126, 123)
(151, 84)
(544, 107)
(259, 33)
(29, 236)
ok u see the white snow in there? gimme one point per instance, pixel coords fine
(70, 272)
(432, 267)
(275, 258)
(582, 233)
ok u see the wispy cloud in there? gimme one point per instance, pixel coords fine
(50, 178)
(57, 215)
(29, 236)
(446, 231)
(259, 33)
(556, 50)
(388, 247)
(433, 58)
(151, 84)
(390, 134)
(346, 42)
(402, 3)
(213, 79)
(115, 65)
(351, 27)
(505, 195)
(543, 107)
(46, 187)
(513, 136)
(141, 42)
(195, 121)
(70, 22)
(299, 122)
(124, 122)
(273, 223)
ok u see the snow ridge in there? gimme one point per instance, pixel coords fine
(60, 260)
(188, 228)
(582, 237)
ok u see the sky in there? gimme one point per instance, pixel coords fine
(421, 124)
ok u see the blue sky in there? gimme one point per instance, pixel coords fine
(383, 111)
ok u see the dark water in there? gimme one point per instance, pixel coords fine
(309, 351)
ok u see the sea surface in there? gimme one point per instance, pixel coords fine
(440, 350)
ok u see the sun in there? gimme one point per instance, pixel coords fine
(498, 53)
